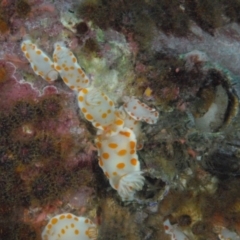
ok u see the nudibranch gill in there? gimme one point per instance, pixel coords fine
(68, 226)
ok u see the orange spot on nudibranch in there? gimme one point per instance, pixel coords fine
(62, 231)
(122, 152)
(104, 115)
(119, 122)
(69, 216)
(72, 225)
(58, 68)
(112, 145)
(134, 161)
(105, 155)
(76, 232)
(80, 98)
(120, 165)
(38, 52)
(127, 134)
(54, 221)
(62, 217)
(132, 151)
(99, 145)
(84, 90)
(132, 144)
(86, 220)
(89, 117)
(84, 110)
(24, 48)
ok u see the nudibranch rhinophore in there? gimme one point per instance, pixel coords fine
(41, 64)
(140, 111)
(119, 162)
(67, 66)
(69, 227)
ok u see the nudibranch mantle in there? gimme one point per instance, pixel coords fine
(119, 161)
(140, 111)
(68, 226)
(99, 109)
(66, 64)
(41, 64)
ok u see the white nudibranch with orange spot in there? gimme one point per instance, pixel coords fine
(41, 64)
(66, 64)
(68, 226)
(99, 109)
(140, 111)
(134, 125)
(119, 162)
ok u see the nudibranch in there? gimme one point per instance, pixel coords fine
(174, 231)
(99, 109)
(68, 226)
(41, 64)
(140, 111)
(133, 124)
(119, 162)
(66, 64)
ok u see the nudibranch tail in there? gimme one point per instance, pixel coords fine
(41, 64)
(140, 111)
(66, 64)
(68, 226)
(96, 107)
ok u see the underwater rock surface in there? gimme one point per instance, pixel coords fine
(166, 78)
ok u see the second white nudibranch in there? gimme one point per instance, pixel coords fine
(68, 226)
(41, 64)
(67, 66)
(140, 111)
(119, 161)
